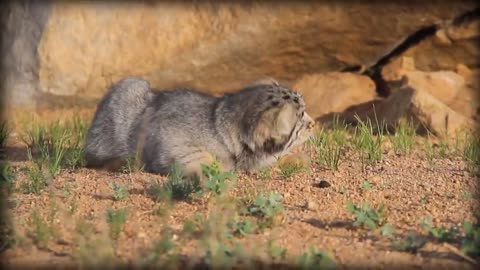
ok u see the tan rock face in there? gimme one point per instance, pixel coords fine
(217, 47)
(457, 89)
(334, 92)
(435, 115)
(449, 46)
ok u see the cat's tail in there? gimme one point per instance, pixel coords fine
(108, 139)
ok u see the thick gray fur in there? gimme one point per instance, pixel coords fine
(190, 128)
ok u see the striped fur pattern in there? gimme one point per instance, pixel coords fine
(244, 131)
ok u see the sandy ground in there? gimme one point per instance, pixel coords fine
(410, 187)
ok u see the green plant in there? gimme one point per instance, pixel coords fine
(404, 137)
(50, 141)
(424, 199)
(443, 148)
(216, 179)
(471, 243)
(412, 242)
(57, 144)
(369, 145)
(119, 192)
(221, 256)
(116, 219)
(78, 130)
(43, 230)
(37, 180)
(471, 154)
(132, 164)
(91, 248)
(74, 158)
(367, 217)
(441, 234)
(366, 185)
(266, 207)
(7, 177)
(329, 146)
(387, 230)
(429, 150)
(265, 174)
(287, 170)
(315, 259)
(4, 133)
(216, 233)
(242, 228)
(163, 251)
(177, 186)
(275, 252)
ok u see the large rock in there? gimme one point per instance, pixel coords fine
(334, 92)
(21, 26)
(458, 89)
(435, 115)
(216, 46)
(432, 114)
(448, 47)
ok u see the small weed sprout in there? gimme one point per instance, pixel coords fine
(387, 230)
(429, 150)
(119, 192)
(4, 133)
(443, 148)
(177, 186)
(366, 186)
(242, 227)
(43, 231)
(411, 243)
(163, 251)
(216, 179)
(275, 252)
(7, 177)
(288, 170)
(132, 164)
(441, 234)
(267, 208)
(367, 217)
(265, 174)
(116, 219)
(315, 259)
(38, 179)
(471, 243)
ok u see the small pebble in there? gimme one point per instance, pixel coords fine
(321, 183)
(310, 205)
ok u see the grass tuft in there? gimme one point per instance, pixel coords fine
(367, 143)
(404, 137)
(116, 219)
(330, 146)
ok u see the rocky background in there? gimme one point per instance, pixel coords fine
(417, 59)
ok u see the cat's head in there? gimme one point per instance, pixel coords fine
(281, 121)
